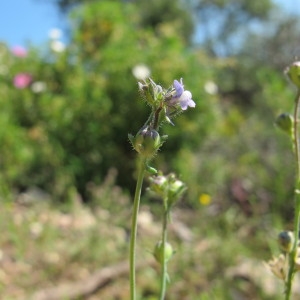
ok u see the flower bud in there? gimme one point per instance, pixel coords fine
(176, 189)
(158, 185)
(285, 122)
(286, 241)
(152, 93)
(158, 252)
(293, 71)
(147, 142)
(151, 170)
(142, 87)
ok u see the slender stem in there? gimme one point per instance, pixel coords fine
(149, 119)
(293, 254)
(156, 118)
(136, 204)
(164, 272)
(296, 137)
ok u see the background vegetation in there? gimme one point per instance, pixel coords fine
(64, 143)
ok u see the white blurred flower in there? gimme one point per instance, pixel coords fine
(141, 72)
(38, 87)
(57, 46)
(211, 88)
(55, 33)
(36, 229)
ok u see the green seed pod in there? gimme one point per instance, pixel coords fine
(159, 185)
(285, 122)
(158, 252)
(147, 142)
(175, 191)
(293, 71)
(286, 241)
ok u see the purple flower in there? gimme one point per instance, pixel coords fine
(19, 51)
(179, 87)
(185, 100)
(182, 97)
(22, 80)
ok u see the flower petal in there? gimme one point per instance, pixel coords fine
(185, 100)
(178, 86)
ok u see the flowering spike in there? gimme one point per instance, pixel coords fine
(165, 103)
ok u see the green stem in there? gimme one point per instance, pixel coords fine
(156, 118)
(149, 119)
(293, 254)
(164, 272)
(136, 204)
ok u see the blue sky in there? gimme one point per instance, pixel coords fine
(24, 21)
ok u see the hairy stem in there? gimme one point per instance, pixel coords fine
(164, 272)
(293, 254)
(136, 204)
(156, 118)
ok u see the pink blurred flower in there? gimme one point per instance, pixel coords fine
(22, 80)
(19, 51)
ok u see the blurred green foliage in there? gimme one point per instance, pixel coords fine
(75, 130)
(71, 133)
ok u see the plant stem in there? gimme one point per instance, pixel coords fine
(136, 204)
(293, 254)
(164, 272)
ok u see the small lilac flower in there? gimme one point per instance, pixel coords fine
(19, 51)
(182, 97)
(179, 87)
(186, 100)
(22, 80)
